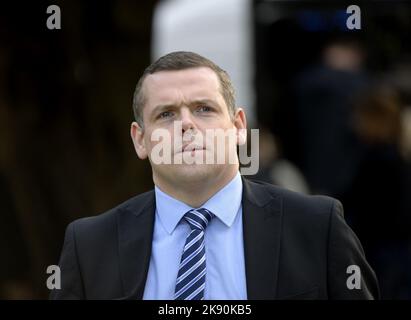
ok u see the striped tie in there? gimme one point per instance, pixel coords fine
(192, 272)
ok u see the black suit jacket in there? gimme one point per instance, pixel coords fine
(295, 247)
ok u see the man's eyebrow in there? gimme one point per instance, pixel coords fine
(161, 107)
(203, 101)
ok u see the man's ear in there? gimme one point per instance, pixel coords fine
(240, 122)
(137, 135)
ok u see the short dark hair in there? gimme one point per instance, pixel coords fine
(181, 60)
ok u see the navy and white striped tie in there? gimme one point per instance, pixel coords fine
(192, 272)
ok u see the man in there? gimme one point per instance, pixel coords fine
(205, 232)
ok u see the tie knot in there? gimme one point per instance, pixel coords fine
(198, 218)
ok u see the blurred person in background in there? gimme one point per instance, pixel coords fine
(354, 148)
(324, 96)
(376, 200)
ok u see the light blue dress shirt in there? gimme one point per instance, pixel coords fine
(225, 278)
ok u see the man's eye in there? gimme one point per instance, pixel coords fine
(165, 114)
(204, 109)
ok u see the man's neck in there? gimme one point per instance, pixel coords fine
(195, 194)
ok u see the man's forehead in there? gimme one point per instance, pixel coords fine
(185, 77)
(194, 82)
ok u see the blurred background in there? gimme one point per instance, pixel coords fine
(333, 106)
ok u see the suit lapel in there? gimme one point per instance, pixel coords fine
(135, 232)
(262, 217)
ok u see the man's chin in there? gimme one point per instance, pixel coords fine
(194, 171)
(191, 173)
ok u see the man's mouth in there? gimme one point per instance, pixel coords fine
(191, 148)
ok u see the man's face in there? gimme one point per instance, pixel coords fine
(192, 99)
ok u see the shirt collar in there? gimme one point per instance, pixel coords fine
(224, 204)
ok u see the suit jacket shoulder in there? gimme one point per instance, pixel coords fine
(106, 256)
(305, 241)
(296, 205)
(99, 223)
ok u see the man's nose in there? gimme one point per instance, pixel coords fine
(187, 122)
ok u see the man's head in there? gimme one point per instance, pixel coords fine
(182, 60)
(190, 91)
